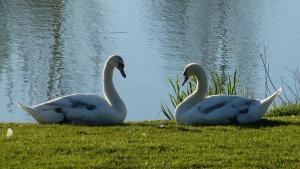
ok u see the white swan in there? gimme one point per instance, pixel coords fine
(217, 109)
(85, 108)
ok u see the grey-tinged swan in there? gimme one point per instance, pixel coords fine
(217, 109)
(82, 108)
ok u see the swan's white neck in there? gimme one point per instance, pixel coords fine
(196, 96)
(110, 92)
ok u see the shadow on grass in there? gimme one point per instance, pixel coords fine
(172, 126)
(268, 123)
(91, 125)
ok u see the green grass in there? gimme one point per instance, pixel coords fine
(285, 110)
(270, 143)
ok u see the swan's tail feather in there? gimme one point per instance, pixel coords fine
(267, 101)
(31, 111)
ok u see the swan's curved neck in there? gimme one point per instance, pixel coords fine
(110, 92)
(196, 96)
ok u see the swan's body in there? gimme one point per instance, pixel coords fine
(85, 108)
(218, 109)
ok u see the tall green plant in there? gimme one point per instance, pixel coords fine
(215, 88)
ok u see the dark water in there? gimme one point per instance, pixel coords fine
(53, 48)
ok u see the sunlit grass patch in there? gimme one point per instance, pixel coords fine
(270, 143)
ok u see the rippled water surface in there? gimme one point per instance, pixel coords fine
(53, 48)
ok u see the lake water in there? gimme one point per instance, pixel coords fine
(53, 48)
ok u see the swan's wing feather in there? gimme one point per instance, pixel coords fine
(222, 109)
(98, 115)
(87, 101)
(80, 108)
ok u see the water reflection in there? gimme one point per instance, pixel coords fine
(217, 33)
(37, 63)
(56, 64)
(222, 35)
(53, 48)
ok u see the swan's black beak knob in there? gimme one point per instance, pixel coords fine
(186, 78)
(121, 69)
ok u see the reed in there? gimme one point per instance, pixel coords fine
(291, 93)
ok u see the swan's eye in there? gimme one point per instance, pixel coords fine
(120, 65)
(184, 73)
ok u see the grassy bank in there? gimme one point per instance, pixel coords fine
(271, 143)
(285, 110)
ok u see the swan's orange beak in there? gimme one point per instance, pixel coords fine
(186, 78)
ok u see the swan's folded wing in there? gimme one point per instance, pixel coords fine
(86, 101)
(78, 108)
(223, 109)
